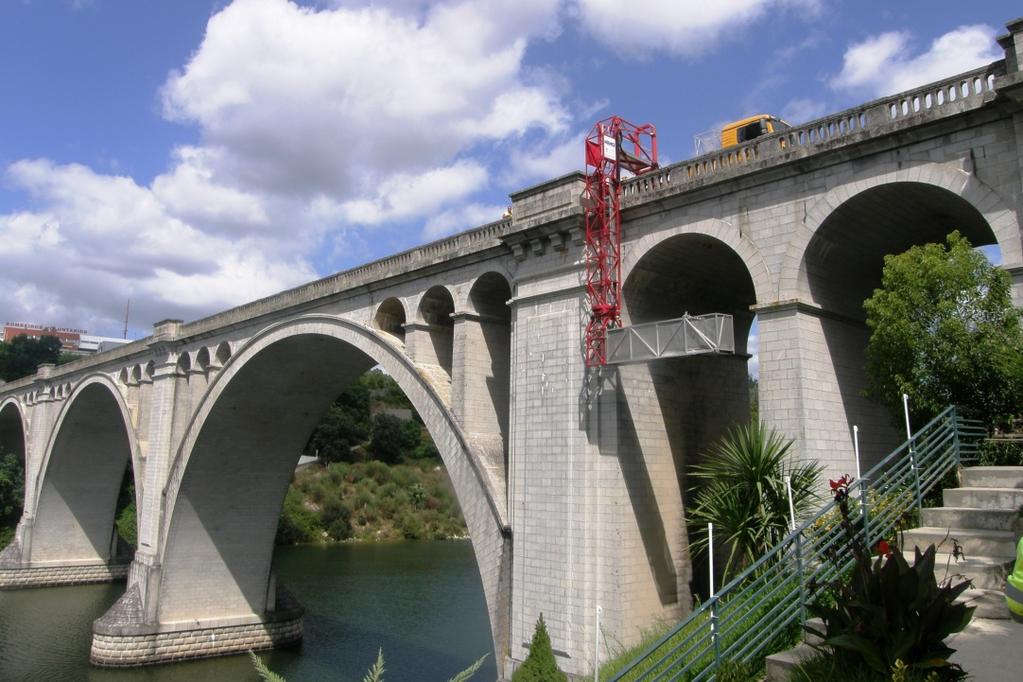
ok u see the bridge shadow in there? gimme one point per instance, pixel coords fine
(640, 487)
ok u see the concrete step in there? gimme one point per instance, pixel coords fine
(989, 603)
(990, 543)
(969, 517)
(781, 665)
(983, 498)
(992, 477)
(984, 572)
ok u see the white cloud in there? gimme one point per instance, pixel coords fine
(300, 101)
(529, 166)
(886, 63)
(801, 110)
(190, 192)
(461, 218)
(681, 27)
(312, 123)
(102, 239)
(403, 195)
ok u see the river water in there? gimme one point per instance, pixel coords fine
(421, 602)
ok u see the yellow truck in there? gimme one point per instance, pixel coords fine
(750, 128)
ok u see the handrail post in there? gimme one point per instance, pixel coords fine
(865, 509)
(800, 576)
(912, 456)
(714, 631)
(955, 439)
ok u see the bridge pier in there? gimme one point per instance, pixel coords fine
(17, 572)
(127, 636)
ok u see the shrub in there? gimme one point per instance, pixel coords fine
(540, 665)
(744, 495)
(993, 452)
(297, 524)
(887, 613)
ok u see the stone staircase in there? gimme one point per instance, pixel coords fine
(981, 516)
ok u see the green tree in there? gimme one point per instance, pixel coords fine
(540, 665)
(341, 429)
(742, 492)
(944, 331)
(12, 492)
(22, 355)
(388, 441)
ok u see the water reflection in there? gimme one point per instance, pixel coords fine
(421, 602)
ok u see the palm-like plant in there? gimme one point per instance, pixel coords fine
(742, 492)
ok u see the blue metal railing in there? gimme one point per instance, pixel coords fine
(756, 609)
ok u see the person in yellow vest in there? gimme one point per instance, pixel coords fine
(1014, 586)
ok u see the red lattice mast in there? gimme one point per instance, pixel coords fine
(613, 146)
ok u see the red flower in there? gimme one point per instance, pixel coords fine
(840, 483)
(884, 548)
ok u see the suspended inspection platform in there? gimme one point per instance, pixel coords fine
(686, 336)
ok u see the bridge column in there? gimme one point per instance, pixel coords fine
(58, 541)
(15, 564)
(595, 496)
(811, 383)
(132, 633)
(479, 383)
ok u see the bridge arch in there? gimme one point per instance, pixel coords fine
(671, 410)
(435, 310)
(938, 181)
(229, 477)
(716, 230)
(75, 494)
(836, 263)
(13, 428)
(391, 317)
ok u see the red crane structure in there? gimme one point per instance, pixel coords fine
(613, 146)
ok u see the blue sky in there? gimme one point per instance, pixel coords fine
(192, 155)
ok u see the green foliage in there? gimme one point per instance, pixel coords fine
(888, 613)
(12, 493)
(735, 671)
(540, 665)
(264, 673)
(297, 524)
(994, 452)
(944, 331)
(369, 501)
(830, 667)
(349, 428)
(743, 492)
(754, 398)
(125, 513)
(387, 442)
(21, 356)
(374, 674)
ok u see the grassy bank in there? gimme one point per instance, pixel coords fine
(370, 501)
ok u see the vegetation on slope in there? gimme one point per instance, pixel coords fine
(370, 501)
(380, 476)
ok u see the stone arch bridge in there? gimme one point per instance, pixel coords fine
(572, 485)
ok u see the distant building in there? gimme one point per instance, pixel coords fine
(75, 341)
(69, 338)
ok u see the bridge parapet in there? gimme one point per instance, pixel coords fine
(942, 99)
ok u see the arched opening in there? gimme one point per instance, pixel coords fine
(231, 476)
(390, 318)
(223, 353)
(488, 343)
(184, 364)
(841, 267)
(88, 465)
(202, 360)
(672, 410)
(435, 310)
(12, 470)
